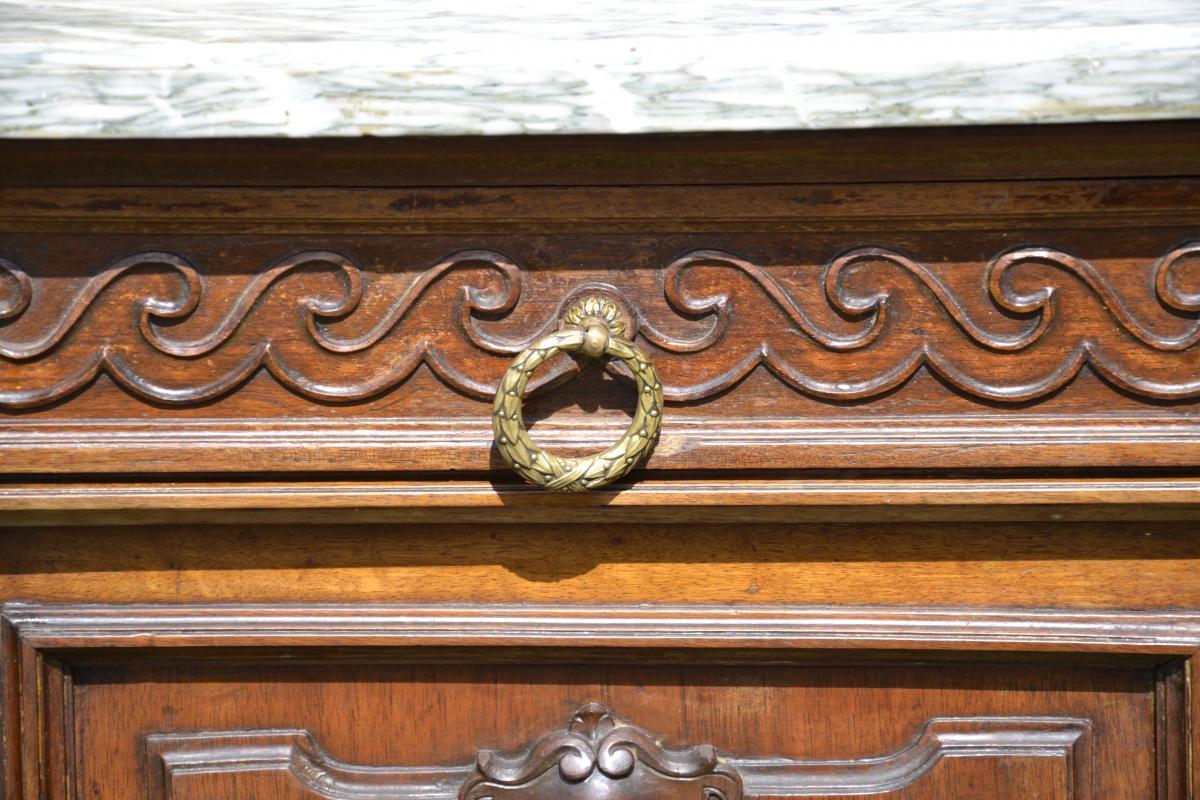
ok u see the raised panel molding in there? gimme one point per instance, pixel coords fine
(877, 317)
(598, 756)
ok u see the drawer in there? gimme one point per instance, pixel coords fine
(807, 301)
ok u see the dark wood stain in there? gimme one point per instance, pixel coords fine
(922, 522)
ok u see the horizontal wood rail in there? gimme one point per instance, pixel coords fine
(660, 501)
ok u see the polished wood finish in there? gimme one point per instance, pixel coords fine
(832, 314)
(922, 522)
(980, 563)
(704, 501)
(1000, 152)
(142, 669)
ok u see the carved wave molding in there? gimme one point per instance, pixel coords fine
(1011, 330)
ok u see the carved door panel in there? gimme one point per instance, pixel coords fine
(445, 732)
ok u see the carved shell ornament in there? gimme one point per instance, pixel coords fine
(593, 308)
(598, 755)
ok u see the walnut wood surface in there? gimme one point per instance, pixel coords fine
(957, 317)
(704, 501)
(763, 650)
(1003, 152)
(921, 524)
(1028, 754)
(982, 562)
(116, 683)
(986, 361)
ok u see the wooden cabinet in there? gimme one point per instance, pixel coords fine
(920, 520)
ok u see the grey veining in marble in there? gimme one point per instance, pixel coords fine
(388, 67)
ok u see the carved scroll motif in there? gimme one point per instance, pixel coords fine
(1023, 327)
(884, 336)
(598, 756)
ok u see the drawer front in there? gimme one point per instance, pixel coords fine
(355, 310)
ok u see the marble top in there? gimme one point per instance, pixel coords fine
(186, 68)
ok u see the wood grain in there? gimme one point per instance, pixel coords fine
(921, 522)
(869, 499)
(785, 206)
(291, 763)
(984, 563)
(960, 316)
(128, 672)
(876, 358)
(1001, 152)
(47, 628)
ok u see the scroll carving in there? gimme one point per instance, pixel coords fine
(883, 337)
(150, 378)
(1014, 330)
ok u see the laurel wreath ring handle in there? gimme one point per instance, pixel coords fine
(592, 328)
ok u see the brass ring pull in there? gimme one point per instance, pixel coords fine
(592, 326)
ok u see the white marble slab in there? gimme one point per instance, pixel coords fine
(387, 67)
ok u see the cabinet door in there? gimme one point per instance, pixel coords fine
(527, 703)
